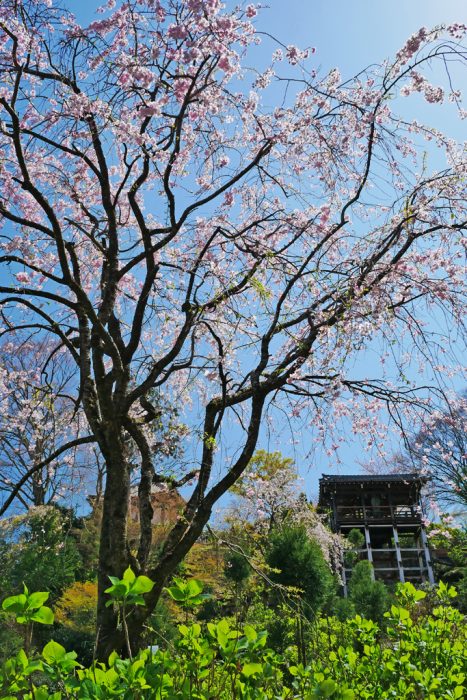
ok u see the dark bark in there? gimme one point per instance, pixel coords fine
(144, 493)
(113, 550)
(198, 510)
(38, 490)
(109, 352)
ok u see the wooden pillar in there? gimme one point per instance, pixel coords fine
(369, 553)
(398, 554)
(419, 544)
(334, 514)
(368, 549)
(344, 578)
(426, 550)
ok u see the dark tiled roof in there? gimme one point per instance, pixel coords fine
(351, 478)
(328, 481)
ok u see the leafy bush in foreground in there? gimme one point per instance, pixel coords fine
(414, 655)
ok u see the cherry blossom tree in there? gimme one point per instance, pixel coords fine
(269, 496)
(169, 231)
(41, 453)
(438, 451)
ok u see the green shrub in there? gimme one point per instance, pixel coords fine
(38, 550)
(413, 655)
(237, 568)
(299, 563)
(369, 598)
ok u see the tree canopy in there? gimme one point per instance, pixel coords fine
(166, 230)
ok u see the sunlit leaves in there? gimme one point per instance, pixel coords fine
(129, 589)
(28, 607)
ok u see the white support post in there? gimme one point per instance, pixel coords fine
(420, 553)
(398, 554)
(344, 579)
(431, 577)
(368, 549)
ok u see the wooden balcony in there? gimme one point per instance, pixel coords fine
(402, 514)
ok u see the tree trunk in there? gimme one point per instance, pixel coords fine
(178, 544)
(38, 490)
(113, 549)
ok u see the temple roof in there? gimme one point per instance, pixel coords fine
(331, 482)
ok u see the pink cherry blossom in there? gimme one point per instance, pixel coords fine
(23, 277)
(179, 238)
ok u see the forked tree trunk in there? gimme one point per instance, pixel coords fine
(113, 549)
(114, 554)
(177, 545)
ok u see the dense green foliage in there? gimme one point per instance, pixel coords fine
(449, 547)
(298, 562)
(237, 568)
(417, 653)
(272, 625)
(38, 548)
(369, 598)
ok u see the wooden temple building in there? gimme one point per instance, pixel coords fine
(387, 511)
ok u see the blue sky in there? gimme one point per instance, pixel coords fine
(354, 34)
(350, 35)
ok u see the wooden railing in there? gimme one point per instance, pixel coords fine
(368, 513)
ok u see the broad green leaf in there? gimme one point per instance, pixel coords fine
(327, 688)
(22, 659)
(347, 694)
(111, 677)
(118, 590)
(15, 603)
(35, 600)
(112, 658)
(142, 584)
(35, 665)
(22, 619)
(44, 615)
(43, 693)
(129, 575)
(136, 599)
(252, 669)
(194, 587)
(176, 593)
(250, 633)
(224, 626)
(53, 652)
